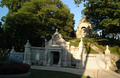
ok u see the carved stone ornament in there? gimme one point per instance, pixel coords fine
(56, 40)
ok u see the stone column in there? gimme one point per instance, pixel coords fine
(65, 63)
(11, 52)
(45, 61)
(83, 56)
(46, 53)
(107, 58)
(79, 55)
(49, 59)
(60, 57)
(27, 53)
(68, 54)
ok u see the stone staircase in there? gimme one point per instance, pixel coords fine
(114, 58)
(95, 48)
(115, 62)
(113, 66)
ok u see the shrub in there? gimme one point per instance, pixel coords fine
(119, 71)
(3, 58)
(8, 69)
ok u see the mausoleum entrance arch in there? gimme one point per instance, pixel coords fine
(83, 30)
(55, 56)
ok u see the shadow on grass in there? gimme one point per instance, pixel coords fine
(53, 74)
(88, 49)
(102, 42)
(107, 41)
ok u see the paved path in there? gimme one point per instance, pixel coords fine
(89, 72)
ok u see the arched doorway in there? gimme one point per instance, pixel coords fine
(55, 57)
(83, 33)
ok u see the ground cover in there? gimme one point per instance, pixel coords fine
(75, 42)
(114, 45)
(12, 67)
(89, 50)
(9, 68)
(53, 74)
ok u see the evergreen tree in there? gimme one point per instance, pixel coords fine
(104, 15)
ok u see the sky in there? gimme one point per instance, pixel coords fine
(73, 9)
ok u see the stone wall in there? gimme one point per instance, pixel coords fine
(74, 52)
(94, 61)
(115, 61)
(16, 56)
(37, 55)
(66, 54)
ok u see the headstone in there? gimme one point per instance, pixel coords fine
(11, 52)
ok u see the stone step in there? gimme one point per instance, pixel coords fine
(113, 66)
(116, 60)
(95, 48)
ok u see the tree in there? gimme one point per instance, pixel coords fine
(104, 15)
(37, 19)
(1, 34)
(1, 38)
(12, 5)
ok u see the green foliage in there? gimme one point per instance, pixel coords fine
(33, 19)
(104, 15)
(119, 71)
(12, 69)
(75, 42)
(115, 50)
(3, 58)
(52, 74)
(1, 35)
(13, 5)
(77, 1)
(89, 50)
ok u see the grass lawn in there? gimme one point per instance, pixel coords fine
(75, 42)
(53, 74)
(89, 50)
(114, 45)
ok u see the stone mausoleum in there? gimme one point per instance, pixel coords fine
(59, 52)
(85, 29)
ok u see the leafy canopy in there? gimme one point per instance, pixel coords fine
(35, 19)
(103, 14)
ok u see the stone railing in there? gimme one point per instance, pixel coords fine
(116, 57)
